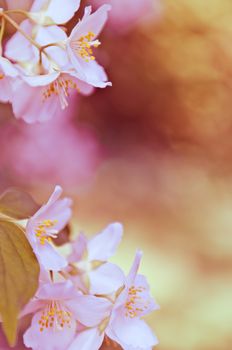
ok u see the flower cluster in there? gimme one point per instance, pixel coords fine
(40, 65)
(83, 299)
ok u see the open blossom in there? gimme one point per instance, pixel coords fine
(44, 225)
(81, 42)
(74, 163)
(124, 324)
(57, 307)
(90, 269)
(40, 98)
(7, 73)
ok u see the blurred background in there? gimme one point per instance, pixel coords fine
(154, 152)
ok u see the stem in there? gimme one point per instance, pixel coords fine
(16, 26)
(2, 30)
(21, 12)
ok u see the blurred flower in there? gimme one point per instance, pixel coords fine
(51, 152)
(22, 4)
(90, 270)
(44, 225)
(126, 14)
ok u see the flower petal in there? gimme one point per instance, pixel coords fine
(90, 339)
(56, 10)
(18, 48)
(48, 257)
(103, 245)
(33, 306)
(134, 268)
(131, 333)
(57, 291)
(28, 103)
(106, 279)
(49, 338)
(91, 22)
(89, 310)
(78, 248)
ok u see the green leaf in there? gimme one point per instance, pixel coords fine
(17, 204)
(19, 275)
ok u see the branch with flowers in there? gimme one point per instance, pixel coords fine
(76, 301)
(40, 66)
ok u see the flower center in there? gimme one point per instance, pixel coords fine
(135, 303)
(55, 316)
(45, 231)
(2, 76)
(83, 46)
(61, 88)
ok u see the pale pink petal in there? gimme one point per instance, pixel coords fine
(106, 279)
(49, 338)
(53, 34)
(83, 87)
(78, 248)
(103, 245)
(48, 257)
(91, 22)
(5, 90)
(8, 68)
(91, 72)
(90, 339)
(151, 305)
(89, 310)
(56, 10)
(57, 291)
(131, 333)
(40, 80)
(59, 212)
(28, 103)
(33, 306)
(18, 48)
(134, 268)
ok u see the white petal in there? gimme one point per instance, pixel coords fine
(49, 258)
(106, 279)
(103, 246)
(49, 338)
(90, 339)
(132, 333)
(89, 310)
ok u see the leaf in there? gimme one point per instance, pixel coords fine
(17, 204)
(19, 275)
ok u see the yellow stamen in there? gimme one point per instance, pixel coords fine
(42, 231)
(55, 317)
(61, 88)
(135, 304)
(83, 46)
